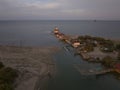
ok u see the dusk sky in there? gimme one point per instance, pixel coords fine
(59, 9)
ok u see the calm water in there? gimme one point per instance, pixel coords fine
(38, 33)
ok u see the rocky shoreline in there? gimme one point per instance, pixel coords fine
(32, 63)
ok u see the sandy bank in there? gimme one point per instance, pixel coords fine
(32, 63)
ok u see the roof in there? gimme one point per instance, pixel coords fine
(75, 41)
(56, 28)
(117, 66)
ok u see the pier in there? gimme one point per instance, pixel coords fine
(68, 39)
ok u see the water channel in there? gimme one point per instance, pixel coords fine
(68, 77)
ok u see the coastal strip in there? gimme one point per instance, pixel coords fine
(94, 50)
(32, 64)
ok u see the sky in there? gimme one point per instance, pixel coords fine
(59, 9)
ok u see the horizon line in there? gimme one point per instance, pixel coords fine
(59, 20)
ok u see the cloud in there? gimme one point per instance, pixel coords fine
(40, 5)
(59, 9)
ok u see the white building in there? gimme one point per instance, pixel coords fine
(56, 31)
(75, 44)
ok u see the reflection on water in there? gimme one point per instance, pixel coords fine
(68, 78)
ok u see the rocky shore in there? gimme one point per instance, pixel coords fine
(33, 64)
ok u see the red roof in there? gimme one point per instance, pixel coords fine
(117, 66)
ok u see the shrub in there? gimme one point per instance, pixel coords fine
(118, 56)
(6, 86)
(8, 75)
(118, 47)
(1, 65)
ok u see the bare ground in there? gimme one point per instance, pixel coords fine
(100, 54)
(32, 64)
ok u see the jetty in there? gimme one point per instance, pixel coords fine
(68, 39)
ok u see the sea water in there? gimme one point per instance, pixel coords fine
(38, 33)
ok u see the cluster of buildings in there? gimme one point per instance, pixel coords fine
(74, 42)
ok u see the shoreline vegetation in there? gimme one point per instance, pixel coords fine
(94, 50)
(7, 77)
(33, 65)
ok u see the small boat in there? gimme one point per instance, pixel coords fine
(66, 49)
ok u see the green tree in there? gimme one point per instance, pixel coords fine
(108, 61)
